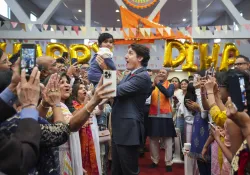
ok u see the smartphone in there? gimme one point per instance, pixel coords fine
(73, 61)
(211, 124)
(65, 55)
(237, 91)
(110, 76)
(28, 57)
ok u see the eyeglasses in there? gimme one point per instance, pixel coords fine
(240, 64)
(85, 68)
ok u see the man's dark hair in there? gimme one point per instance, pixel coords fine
(103, 37)
(5, 79)
(142, 51)
(149, 70)
(60, 60)
(246, 59)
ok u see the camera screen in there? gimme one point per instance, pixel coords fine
(243, 90)
(28, 58)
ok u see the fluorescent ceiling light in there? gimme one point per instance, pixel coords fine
(65, 4)
(118, 20)
(184, 19)
(53, 40)
(241, 14)
(178, 70)
(117, 11)
(79, 10)
(75, 17)
(217, 40)
(191, 10)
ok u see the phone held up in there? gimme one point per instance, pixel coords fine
(239, 90)
(73, 61)
(28, 58)
(110, 76)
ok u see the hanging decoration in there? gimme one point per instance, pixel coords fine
(169, 61)
(16, 47)
(75, 49)
(94, 47)
(227, 59)
(39, 51)
(189, 65)
(3, 46)
(140, 4)
(205, 60)
(52, 48)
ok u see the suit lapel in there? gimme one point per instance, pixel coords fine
(136, 72)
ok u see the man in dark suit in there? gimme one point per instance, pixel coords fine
(19, 153)
(127, 112)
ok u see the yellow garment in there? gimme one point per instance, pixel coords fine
(219, 117)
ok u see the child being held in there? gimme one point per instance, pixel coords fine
(105, 42)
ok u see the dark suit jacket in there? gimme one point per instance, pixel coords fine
(127, 112)
(18, 153)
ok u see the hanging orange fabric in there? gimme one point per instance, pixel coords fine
(131, 20)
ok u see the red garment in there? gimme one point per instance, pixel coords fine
(89, 162)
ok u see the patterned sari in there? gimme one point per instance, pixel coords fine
(69, 153)
(89, 162)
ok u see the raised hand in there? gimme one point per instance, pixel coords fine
(52, 93)
(29, 91)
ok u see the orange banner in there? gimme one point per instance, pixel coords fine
(132, 20)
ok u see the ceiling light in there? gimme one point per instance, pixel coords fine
(184, 19)
(53, 41)
(65, 4)
(217, 40)
(178, 70)
(241, 14)
(117, 11)
(75, 17)
(191, 10)
(79, 10)
(117, 20)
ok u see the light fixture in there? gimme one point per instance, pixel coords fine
(75, 17)
(79, 10)
(117, 11)
(178, 70)
(184, 19)
(241, 14)
(118, 20)
(217, 40)
(191, 10)
(53, 40)
(65, 5)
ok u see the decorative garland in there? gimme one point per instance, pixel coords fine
(140, 4)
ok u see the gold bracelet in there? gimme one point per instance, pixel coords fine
(43, 105)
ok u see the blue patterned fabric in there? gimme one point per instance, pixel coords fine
(200, 134)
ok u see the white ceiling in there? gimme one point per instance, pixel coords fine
(103, 12)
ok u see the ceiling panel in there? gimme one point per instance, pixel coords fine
(103, 12)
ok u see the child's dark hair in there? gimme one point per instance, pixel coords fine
(103, 37)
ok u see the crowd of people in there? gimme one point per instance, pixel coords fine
(63, 120)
